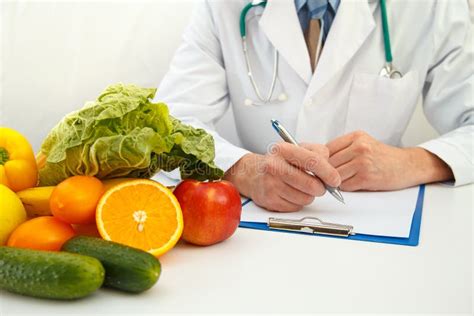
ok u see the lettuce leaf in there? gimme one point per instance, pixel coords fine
(124, 134)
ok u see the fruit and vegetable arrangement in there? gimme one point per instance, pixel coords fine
(83, 213)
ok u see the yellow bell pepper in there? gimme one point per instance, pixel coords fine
(18, 168)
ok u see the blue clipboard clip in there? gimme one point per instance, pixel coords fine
(311, 225)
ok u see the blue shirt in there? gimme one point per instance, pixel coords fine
(323, 9)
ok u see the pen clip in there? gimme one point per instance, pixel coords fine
(312, 225)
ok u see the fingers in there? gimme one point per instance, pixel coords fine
(302, 181)
(282, 205)
(342, 157)
(352, 184)
(294, 177)
(356, 175)
(317, 148)
(347, 171)
(305, 183)
(294, 196)
(340, 143)
(287, 199)
(284, 187)
(309, 161)
(274, 195)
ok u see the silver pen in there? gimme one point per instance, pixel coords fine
(289, 139)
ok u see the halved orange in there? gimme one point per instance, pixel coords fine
(140, 213)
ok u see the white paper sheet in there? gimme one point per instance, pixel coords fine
(371, 213)
(167, 178)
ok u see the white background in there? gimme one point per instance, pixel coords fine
(55, 55)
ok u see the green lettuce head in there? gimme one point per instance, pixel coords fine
(123, 134)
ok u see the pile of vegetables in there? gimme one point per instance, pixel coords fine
(123, 134)
(43, 248)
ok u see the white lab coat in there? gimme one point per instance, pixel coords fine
(432, 45)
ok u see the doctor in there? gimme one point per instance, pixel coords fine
(344, 77)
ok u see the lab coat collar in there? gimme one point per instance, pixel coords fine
(280, 24)
(353, 23)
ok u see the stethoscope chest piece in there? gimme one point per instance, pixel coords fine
(282, 97)
(388, 71)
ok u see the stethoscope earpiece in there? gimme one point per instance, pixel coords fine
(248, 102)
(282, 97)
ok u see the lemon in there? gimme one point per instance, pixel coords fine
(12, 213)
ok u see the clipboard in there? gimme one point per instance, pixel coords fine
(332, 230)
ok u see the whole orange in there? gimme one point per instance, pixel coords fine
(41, 233)
(75, 199)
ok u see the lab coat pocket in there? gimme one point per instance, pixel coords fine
(382, 107)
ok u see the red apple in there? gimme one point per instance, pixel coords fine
(211, 210)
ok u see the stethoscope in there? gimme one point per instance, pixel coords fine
(388, 70)
(243, 34)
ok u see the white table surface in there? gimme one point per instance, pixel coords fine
(257, 271)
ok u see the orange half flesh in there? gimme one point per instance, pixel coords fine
(140, 213)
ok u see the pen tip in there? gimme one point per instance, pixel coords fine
(336, 193)
(275, 124)
(339, 197)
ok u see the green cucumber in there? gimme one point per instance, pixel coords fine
(126, 268)
(49, 274)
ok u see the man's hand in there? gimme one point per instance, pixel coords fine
(367, 164)
(277, 180)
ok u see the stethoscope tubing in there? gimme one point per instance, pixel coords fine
(243, 34)
(252, 79)
(388, 70)
(386, 33)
